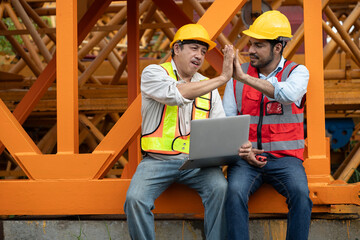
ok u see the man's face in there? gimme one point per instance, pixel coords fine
(261, 53)
(190, 58)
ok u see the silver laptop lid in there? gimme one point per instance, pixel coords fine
(218, 137)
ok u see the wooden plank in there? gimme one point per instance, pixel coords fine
(6, 76)
(100, 105)
(91, 93)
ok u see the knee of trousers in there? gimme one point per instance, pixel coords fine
(237, 189)
(299, 192)
(220, 187)
(137, 201)
(302, 199)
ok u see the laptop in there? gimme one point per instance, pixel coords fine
(215, 141)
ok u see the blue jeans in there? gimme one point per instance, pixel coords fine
(287, 176)
(152, 177)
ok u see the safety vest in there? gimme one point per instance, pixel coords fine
(167, 138)
(274, 127)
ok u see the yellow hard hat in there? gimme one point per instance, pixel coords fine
(193, 32)
(270, 25)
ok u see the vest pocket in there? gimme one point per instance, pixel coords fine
(251, 103)
(284, 137)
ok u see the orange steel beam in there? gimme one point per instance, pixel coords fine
(256, 7)
(213, 20)
(67, 75)
(317, 163)
(173, 12)
(107, 196)
(97, 8)
(14, 136)
(62, 166)
(120, 136)
(47, 77)
(133, 80)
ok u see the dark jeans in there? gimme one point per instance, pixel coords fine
(287, 176)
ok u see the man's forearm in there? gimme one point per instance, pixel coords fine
(259, 84)
(192, 90)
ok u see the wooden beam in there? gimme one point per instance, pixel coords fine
(98, 36)
(105, 52)
(343, 33)
(30, 26)
(20, 50)
(348, 166)
(331, 47)
(91, 127)
(25, 38)
(30, 11)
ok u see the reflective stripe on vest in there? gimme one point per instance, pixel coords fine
(274, 127)
(166, 138)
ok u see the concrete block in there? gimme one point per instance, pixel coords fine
(267, 229)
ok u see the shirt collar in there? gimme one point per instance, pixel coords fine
(175, 70)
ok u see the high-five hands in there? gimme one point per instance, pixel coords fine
(238, 72)
(228, 62)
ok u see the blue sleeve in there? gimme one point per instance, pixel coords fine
(294, 88)
(229, 102)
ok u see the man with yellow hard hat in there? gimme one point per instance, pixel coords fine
(272, 91)
(173, 94)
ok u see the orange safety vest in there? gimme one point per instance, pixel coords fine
(167, 138)
(274, 127)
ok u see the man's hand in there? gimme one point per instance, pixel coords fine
(238, 72)
(262, 85)
(229, 55)
(245, 150)
(248, 153)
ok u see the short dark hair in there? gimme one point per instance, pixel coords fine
(190, 41)
(276, 41)
(172, 49)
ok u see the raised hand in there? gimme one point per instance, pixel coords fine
(238, 72)
(229, 55)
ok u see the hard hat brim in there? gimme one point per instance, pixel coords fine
(255, 35)
(210, 43)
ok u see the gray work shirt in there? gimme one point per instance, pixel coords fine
(157, 89)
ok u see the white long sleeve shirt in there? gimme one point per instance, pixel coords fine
(157, 89)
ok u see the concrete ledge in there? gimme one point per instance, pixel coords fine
(321, 229)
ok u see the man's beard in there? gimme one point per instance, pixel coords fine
(262, 63)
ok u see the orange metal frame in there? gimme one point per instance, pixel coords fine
(72, 183)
